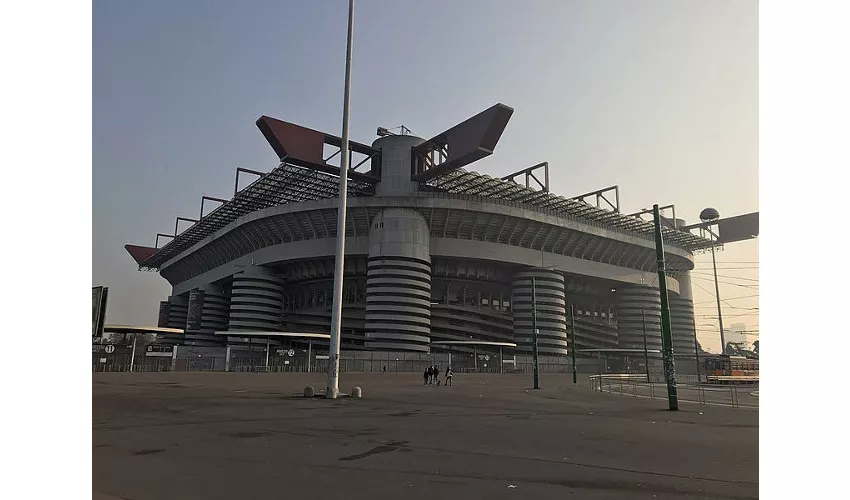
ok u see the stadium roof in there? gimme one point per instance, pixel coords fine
(472, 183)
(285, 184)
(291, 184)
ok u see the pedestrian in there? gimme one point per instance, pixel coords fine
(426, 375)
(436, 375)
(385, 369)
(449, 375)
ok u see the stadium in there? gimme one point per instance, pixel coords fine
(437, 256)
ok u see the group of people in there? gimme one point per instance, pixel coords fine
(432, 375)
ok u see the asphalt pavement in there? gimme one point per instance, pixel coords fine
(243, 435)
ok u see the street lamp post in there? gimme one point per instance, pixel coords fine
(573, 334)
(717, 296)
(711, 214)
(666, 332)
(133, 354)
(645, 350)
(534, 332)
(268, 346)
(336, 314)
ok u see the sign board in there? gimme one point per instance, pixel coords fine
(159, 350)
(290, 352)
(318, 357)
(98, 309)
(109, 349)
(286, 362)
(740, 228)
(103, 360)
(281, 352)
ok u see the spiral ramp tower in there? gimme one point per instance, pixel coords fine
(551, 311)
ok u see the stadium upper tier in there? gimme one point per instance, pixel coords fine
(292, 184)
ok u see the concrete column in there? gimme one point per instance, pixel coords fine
(682, 323)
(256, 300)
(214, 316)
(551, 311)
(178, 308)
(631, 301)
(398, 285)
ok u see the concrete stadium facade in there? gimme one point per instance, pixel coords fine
(425, 265)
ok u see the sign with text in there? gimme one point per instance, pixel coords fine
(159, 350)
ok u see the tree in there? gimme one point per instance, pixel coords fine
(738, 349)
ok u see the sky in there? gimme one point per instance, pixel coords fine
(658, 97)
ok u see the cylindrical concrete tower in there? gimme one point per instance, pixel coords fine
(551, 311)
(682, 320)
(178, 308)
(395, 168)
(631, 301)
(255, 300)
(682, 324)
(398, 284)
(215, 311)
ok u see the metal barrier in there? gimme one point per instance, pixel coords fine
(702, 393)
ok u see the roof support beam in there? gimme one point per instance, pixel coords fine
(158, 235)
(529, 174)
(248, 171)
(601, 195)
(205, 198)
(177, 223)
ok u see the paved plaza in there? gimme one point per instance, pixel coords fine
(243, 435)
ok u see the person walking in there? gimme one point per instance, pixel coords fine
(449, 376)
(426, 375)
(385, 369)
(436, 374)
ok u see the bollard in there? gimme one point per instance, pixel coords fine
(356, 393)
(309, 392)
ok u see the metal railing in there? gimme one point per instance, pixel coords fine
(736, 396)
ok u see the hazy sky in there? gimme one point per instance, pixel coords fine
(658, 97)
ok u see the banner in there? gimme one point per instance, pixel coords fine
(196, 310)
(164, 309)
